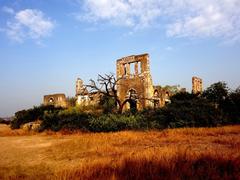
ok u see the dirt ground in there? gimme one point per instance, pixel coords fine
(27, 155)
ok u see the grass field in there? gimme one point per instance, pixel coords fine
(189, 153)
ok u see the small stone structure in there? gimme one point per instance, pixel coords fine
(161, 96)
(32, 126)
(58, 100)
(197, 85)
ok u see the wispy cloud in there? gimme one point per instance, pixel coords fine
(181, 18)
(28, 24)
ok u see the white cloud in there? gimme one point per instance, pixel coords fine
(29, 23)
(181, 18)
(121, 12)
(211, 20)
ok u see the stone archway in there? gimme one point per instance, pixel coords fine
(156, 99)
(131, 100)
(51, 100)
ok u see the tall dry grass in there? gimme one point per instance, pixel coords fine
(187, 153)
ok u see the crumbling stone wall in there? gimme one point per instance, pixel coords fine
(58, 100)
(161, 96)
(80, 88)
(134, 77)
(83, 97)
(197, 85)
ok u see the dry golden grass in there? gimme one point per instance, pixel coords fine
(189, 153)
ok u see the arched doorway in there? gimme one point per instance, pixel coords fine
(131, 100)
(156, 99)
(51, 100)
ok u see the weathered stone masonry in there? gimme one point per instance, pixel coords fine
(58, 100)
(134, 74)
(197, 85)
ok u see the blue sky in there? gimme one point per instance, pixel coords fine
(46, 45)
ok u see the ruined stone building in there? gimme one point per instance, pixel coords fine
(135, 87)
(197, 85)
(84, 98)
(135, 81)
(82, 94)
(57, 100)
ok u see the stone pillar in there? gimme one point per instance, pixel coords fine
(136, 68)
(128, 69)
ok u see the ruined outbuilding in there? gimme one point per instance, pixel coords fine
(57, 100)
(84, 98)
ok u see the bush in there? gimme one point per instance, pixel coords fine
(2, 121)
(70, 119)
(116, 122)
(107, 104)
(192, 113)
(231, 107)
(25, 116)
(185, 110)
(155, 118)
(191, 110)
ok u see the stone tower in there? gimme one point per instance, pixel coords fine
(80, 87)
(135, 81)
(197, 85)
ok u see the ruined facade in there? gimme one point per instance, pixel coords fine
(84, 98)
(197, 85)
(161, 96)
(135, 82)
(58, 100)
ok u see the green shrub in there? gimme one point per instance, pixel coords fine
(231, 107)
(70, 119)
(191, 112)
(25, 116)
(2, 121)
(107, 104)
(155, 118)
(116, 122)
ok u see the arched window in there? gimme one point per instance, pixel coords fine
(156, 93)
(51, 100)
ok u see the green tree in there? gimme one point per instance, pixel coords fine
(231, 107)
(183, 96)
(107, 103)
(217, 93)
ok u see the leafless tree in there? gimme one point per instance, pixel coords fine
(107, 86)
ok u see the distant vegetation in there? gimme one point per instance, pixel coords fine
(3, 121)
(216, 106)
